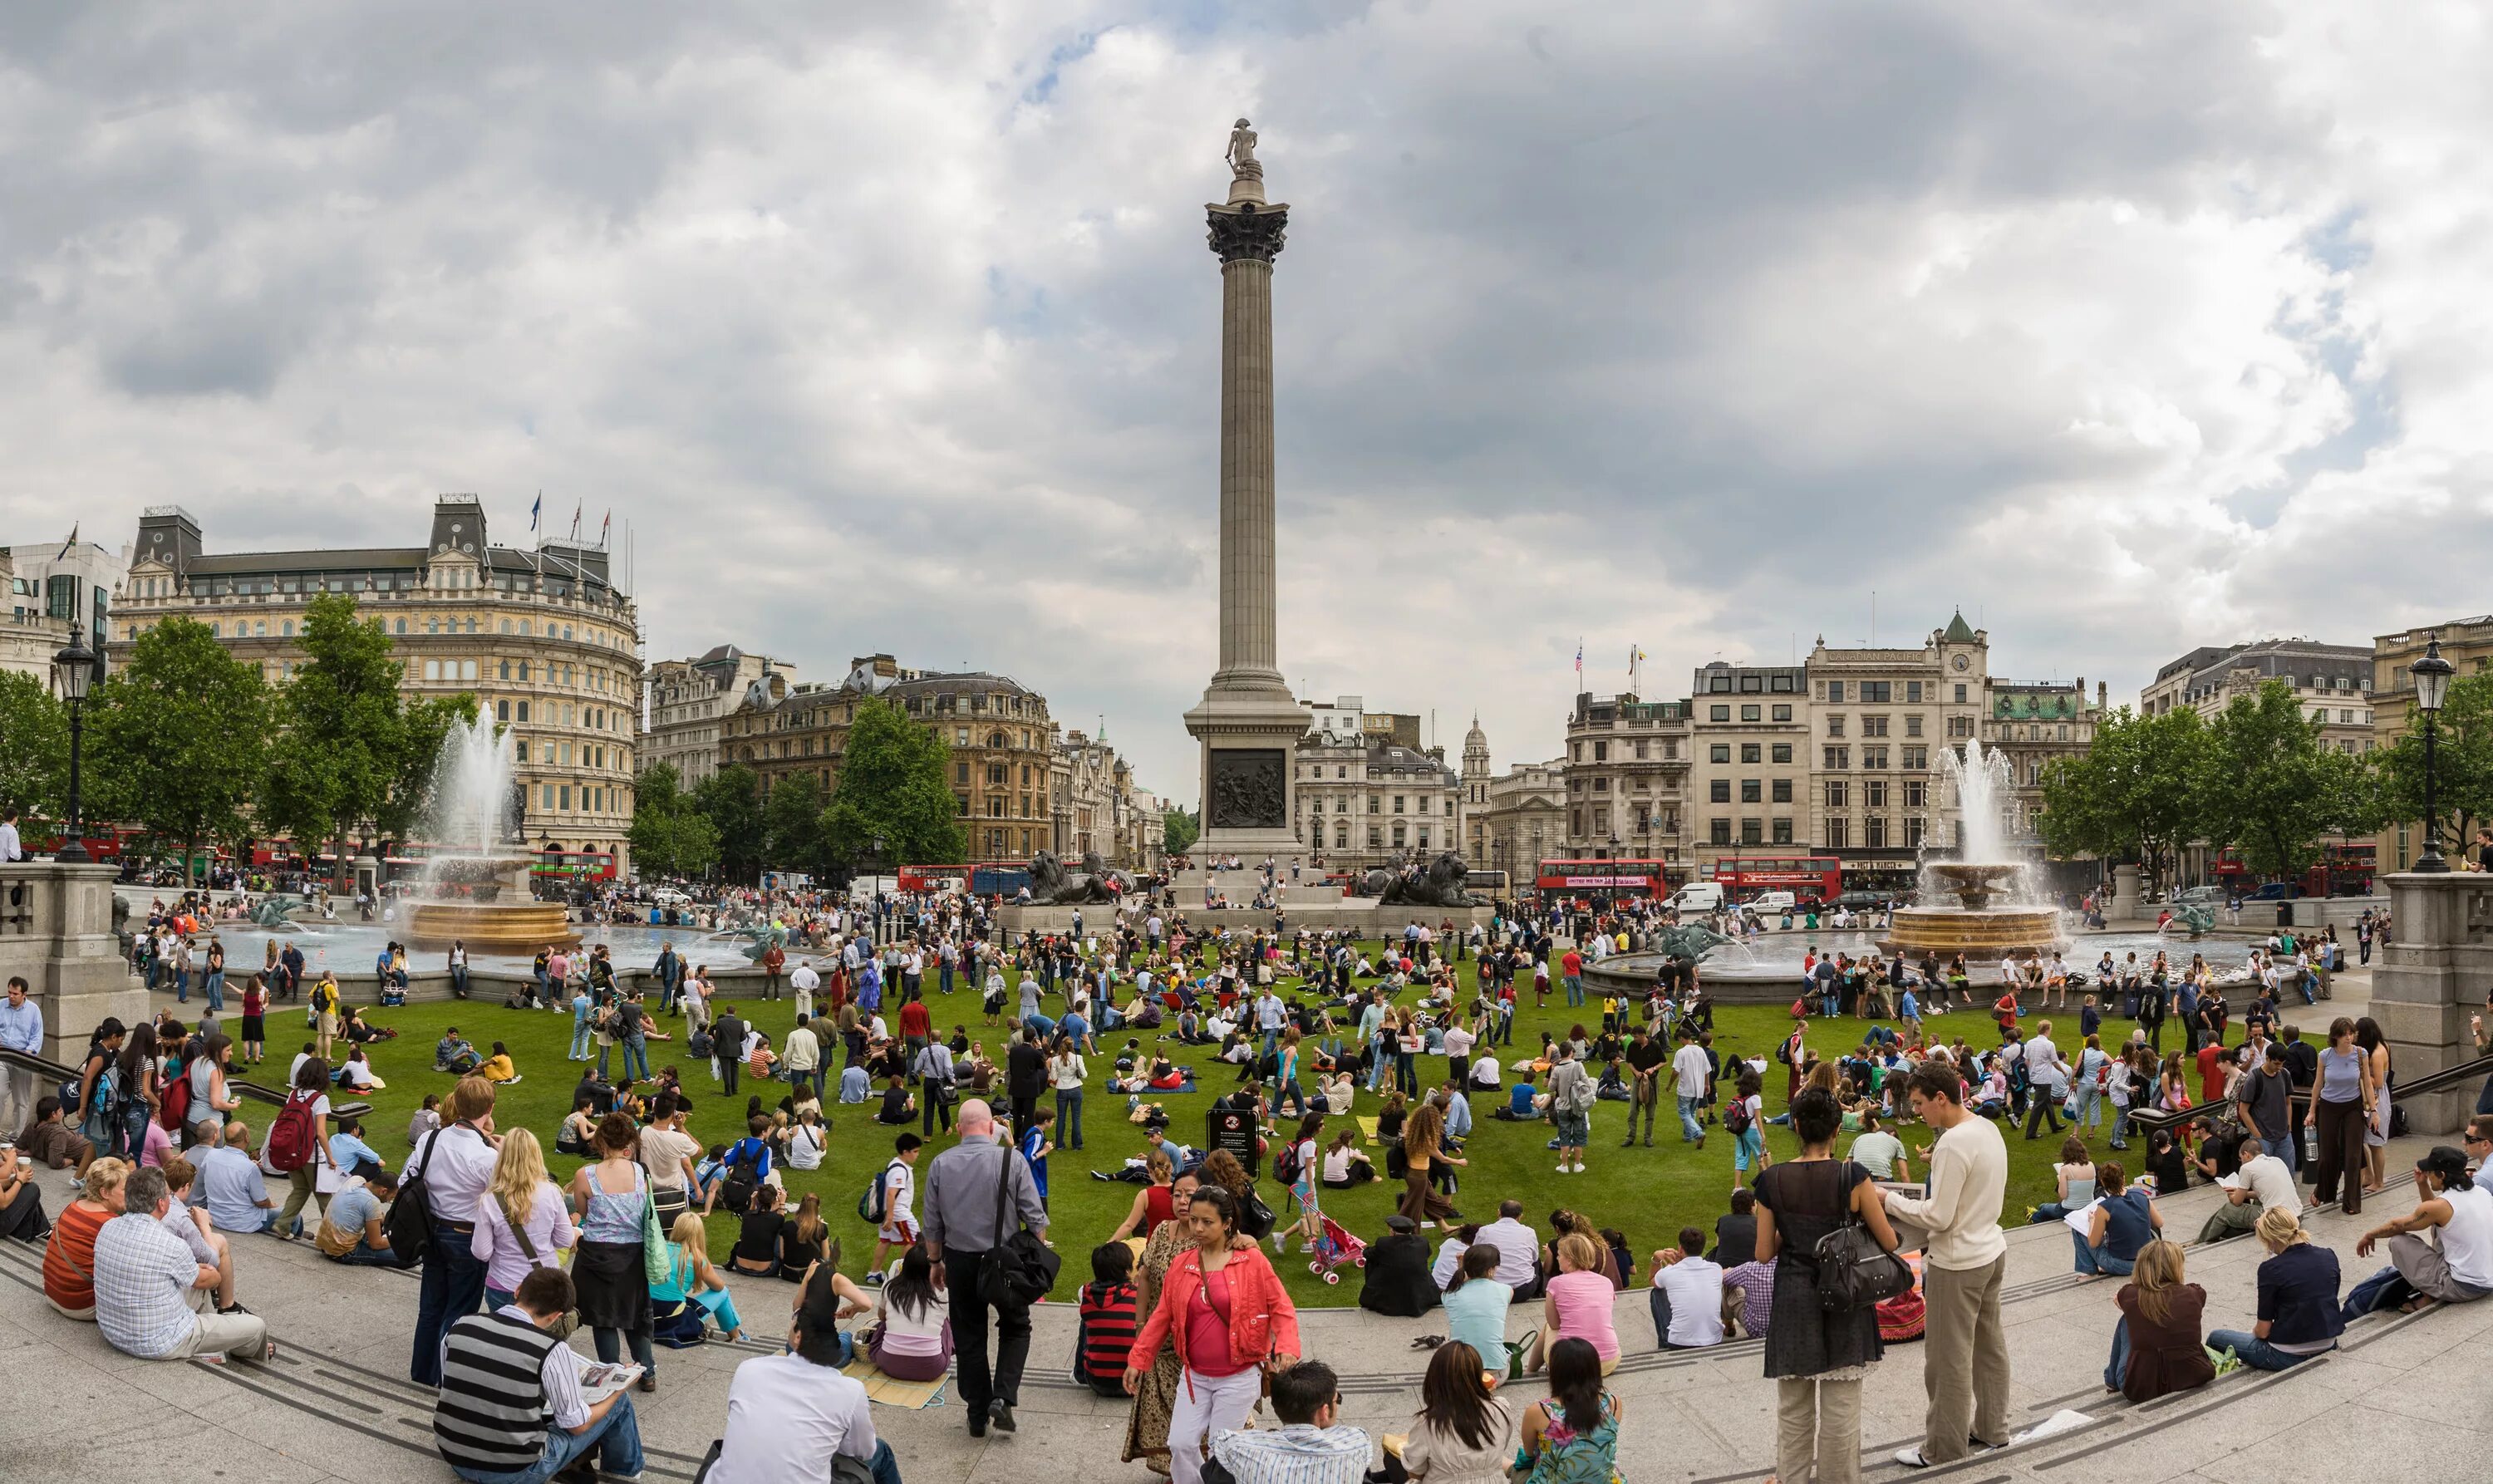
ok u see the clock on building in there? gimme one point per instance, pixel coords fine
(1961, 661)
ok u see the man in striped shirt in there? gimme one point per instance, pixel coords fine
(511, 1411)
(1307, 1448)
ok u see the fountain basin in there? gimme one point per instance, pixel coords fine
(497, 927)
(1986, 932)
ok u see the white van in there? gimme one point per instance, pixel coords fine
(1766, 901)
(1697, 897)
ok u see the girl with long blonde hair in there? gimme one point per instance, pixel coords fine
(2156, 1349)
(522, 1222)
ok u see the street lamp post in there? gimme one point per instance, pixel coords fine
(2432, 675)
(74, 669)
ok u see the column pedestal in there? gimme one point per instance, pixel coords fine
(2430, 980)
(56, 934)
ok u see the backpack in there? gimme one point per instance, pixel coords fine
(175, 1104)
(875, 1205)
(743, 1177)
(1286, 1164)
(408, 1222)
(1736, 1119)
(291, 1135)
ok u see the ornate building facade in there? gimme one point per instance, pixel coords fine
(2030, 724)
(1879, 719)
(1001, 743)
(543, 638)
(1749, 768)
(688, 705)
(1627, 778)
(1099, 807)
(1525, 820)
(1369, 795)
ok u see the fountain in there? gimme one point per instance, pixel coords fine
(1976, 923)
(476, 890)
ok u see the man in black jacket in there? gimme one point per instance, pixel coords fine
(1398, 1280)
(728, 1036)
(1025, 1079)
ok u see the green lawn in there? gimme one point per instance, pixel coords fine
(1648, 1194)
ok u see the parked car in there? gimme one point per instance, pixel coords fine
(2200, 896)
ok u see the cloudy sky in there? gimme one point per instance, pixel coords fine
(889, 326)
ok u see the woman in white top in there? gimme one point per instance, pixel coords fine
(911, 1338)
(1463, 1434)
(1066, 1073)
(805, 1138)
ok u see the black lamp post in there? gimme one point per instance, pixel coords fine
(72, 669)
(2432, 675)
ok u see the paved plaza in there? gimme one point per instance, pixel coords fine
(2402, 1395)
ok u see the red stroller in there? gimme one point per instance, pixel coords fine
(1335, 1246)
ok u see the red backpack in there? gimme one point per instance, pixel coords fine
(291, 1137)
(174, 1105)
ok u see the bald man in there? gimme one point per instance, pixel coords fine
(962, 1231)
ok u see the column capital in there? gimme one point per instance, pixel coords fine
(1247, 231)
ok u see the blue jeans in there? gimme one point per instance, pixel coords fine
(2384, 1289)
(2288, 1149)
(2120, 1125)
(579, 1041)
(2254, 1351)
(182, 986)
(635, 1052)
(1575, 989)
(216, 990)
(2118, 1367)
(2094, 1259)
(1690, 1130)
(616, 1438)
(1069, 1116)
(366, 1256)
(454, 1283)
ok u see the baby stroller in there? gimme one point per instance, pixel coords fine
(1335, 1246)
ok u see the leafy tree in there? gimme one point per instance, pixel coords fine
(179, 736)
(731, 800)
(2462, 765)
(670, 835)
(34, 748)
(893, 785)
(2275, 788)
(343, 752)
(791, 826)
(1180, 829)
(2140, 790)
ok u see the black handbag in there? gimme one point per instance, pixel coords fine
(1854, 1272)
(1022, 1269)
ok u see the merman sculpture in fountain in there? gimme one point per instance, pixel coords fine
(476, 891)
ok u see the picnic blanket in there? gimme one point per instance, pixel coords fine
(1367, 1128)
(912, 1395)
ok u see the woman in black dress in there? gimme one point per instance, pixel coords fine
(1816, 1360)
(609, 1202)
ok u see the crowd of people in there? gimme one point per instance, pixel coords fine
(1183, 1313)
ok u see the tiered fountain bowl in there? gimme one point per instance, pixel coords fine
(1972, 926)
(483, 902)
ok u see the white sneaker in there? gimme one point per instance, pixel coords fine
(1562, 1170)
(1579, 1169)
(1911, 1458)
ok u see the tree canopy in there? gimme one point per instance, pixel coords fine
(2273, 787)
(178, 737)
(893, 786)
(670, 835)
(2462, 764)
(34, 748)
(2140, 790)
(731, 800)
(1180, 829)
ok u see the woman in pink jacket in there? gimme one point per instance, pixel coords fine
(1224, 1309)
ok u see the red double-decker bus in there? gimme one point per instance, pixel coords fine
(1604, 879)
(1808, 877)
(2345, 870)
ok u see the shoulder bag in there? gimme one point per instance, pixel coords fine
(656, 1266)
(1854, 1273)
(1021, 1269)
(561, 1329)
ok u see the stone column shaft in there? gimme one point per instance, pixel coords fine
(1248, 575)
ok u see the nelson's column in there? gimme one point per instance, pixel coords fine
(1247, 720)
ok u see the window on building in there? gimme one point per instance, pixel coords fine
(1912, 690)
(1839, 793)
(1782, 752)
(1718, 751)
(1913, 724)
(433, 669)
(1783, 793)
(1837, 759)
(1719, 790)
(1601, 751)
(1916, 759)
(1601, 784)
(1717, 832)
(1753, 832)
(1751, 792)
(1718, 713)
(1835, 726)
(1959, 696)
(1749, 751)
(1839, 833)
(1376, 837)
(1781, 685)
(1783, 832)
(1874, 757)
(1873, 793)
(1874, 832)
(1917, 793)
(1874, 725)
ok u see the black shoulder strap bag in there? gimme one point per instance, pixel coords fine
(1021, 1269)
(1853, 1271)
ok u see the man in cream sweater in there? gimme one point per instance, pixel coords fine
(1965, 1365)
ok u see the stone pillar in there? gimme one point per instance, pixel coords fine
(1247, 721)
(2429, 979)
(2127, 905)
(56, 934)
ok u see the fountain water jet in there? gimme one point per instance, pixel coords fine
(477, 889)
(1976, 923)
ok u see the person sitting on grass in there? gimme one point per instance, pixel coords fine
(497, 1068)
(898, 1107)
(453, 1053)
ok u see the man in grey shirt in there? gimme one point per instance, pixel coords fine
(962, 1229)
